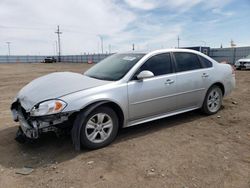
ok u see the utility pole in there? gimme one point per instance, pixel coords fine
(232, 43)
(58, 32)
(101, 38)
(133, 47)
(178, 39)
(8, 43)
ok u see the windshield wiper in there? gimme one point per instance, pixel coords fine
(100, 78)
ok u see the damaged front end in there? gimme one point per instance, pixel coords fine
(33, 126)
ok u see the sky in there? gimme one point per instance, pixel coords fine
(30, 25)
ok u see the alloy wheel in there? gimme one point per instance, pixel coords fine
(99, 127)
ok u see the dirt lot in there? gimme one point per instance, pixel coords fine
(188, 150)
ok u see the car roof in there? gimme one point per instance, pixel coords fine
(163, 51)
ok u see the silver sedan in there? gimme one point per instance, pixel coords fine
(123, 90)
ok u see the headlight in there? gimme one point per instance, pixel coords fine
(48, 108)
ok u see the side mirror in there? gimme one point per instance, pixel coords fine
(145, 74)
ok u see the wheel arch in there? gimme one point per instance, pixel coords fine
(76, 129)
(204, 107)
(220, 85)
(113, 105)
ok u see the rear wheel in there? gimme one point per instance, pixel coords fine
(213, 100)
(99, 128)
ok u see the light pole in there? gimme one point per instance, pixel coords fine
(8, 43)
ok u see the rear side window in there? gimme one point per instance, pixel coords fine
(205, 62)
(186, 61)
(159, 64)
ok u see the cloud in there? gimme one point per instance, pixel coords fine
(182, 5)
(30, 25)
(177, 5)
(81, 23)
(164, 37)
(141, 4)
(221, 12)
(216, 3)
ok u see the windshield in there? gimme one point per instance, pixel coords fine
(114, 67)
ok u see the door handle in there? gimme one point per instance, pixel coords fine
(205, 75)
(169, 81)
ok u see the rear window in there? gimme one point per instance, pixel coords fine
(205, 62)
(186, 61)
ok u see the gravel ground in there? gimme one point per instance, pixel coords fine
(188, 150)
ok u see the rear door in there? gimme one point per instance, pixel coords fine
(153, 96)
(192, 80)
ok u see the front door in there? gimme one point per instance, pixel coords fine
(153, 96)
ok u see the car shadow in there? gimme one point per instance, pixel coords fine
(158, 125)
(50, 149)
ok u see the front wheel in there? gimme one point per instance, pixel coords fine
(213, 100)
(99, 128)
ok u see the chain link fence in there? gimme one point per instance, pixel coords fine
(219, 54)
(86, 58)
(230, 55)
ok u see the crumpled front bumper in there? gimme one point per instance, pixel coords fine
(28, 130)
(32, 127)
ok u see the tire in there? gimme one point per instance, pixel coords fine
(99, 128)
(213, 100)
(20, 137)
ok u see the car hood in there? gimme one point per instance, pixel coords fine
(55, 85)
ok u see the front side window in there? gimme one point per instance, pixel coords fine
(186, 61)
(114, 67)
(159, 65)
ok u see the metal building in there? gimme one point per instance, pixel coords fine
(203, 49)
(230, 55)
